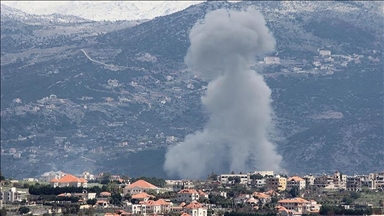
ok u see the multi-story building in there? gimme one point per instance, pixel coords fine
(323, 181)
(276, 183)
(11, 195)
(87, 176)
(295, 181)
(309, 180)
(354, 183)
(260, 183)
(178, 185)
(379, 178)
(263, 173)
(339, 180)
(187, 195)
(227, 178)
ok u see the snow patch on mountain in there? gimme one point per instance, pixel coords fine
(103, 10)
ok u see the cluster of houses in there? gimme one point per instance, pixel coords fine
(188, 199)
(336, 181)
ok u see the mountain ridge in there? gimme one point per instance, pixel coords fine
(67, 107)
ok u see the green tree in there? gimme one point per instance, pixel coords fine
(347, 200)
(237, 180)
(2, 178)
(294, 192)
(91, 202)
(128, 197)
(3, 212)
(381, 203)
(256, 176)
(213, 176)
(354, 195)
(106, 178)
(24, 210)
(116, 198)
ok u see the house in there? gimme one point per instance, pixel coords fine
(158, 207)
(262, 197)
(187, 195)
(84, 196)
(276, 183)
(104, 196)
(295, 181)
(140, 186)
(69, 181)
(137, 209)
(195, 209)
(298, 206)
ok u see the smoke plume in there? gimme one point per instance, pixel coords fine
(223, 47)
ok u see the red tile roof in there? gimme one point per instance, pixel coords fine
(105, 194)
(142, 195)
(157, 202)
(193, 205)
(188, 191)
(69, 179)
(142, 184)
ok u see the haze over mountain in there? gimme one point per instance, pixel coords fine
(79, 95)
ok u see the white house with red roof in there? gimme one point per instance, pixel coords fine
(140, 186)
(298, 206)
(195, 209)
(69, 181)
(187, 195)
(158, 207)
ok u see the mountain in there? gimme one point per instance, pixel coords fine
(103, 10)
(102, 96)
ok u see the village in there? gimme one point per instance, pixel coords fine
(255, 193)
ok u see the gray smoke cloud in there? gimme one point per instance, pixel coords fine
(223, 47)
